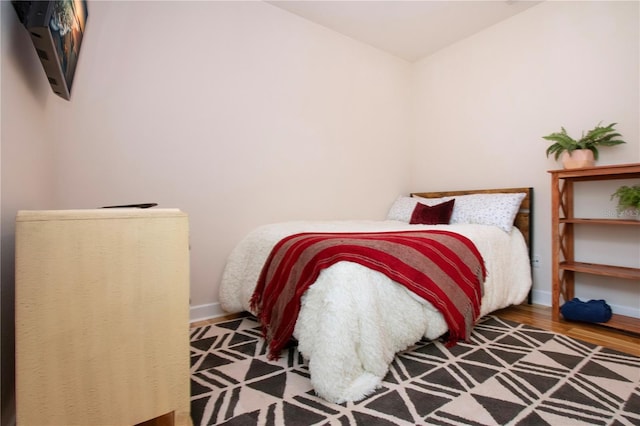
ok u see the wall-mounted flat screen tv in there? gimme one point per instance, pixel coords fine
(56, 29)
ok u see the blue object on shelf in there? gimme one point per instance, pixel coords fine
(591, 311)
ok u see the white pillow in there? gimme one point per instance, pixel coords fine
(402, 208)
(498, 209)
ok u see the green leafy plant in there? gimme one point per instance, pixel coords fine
(628, 197)
(598, 136)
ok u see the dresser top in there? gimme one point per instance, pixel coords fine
(96, 214)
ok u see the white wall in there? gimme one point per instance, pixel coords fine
(253, 115)
(26, 166)
(484, 104)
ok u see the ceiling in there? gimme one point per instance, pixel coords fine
(408, 29)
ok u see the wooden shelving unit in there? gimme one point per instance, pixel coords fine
(564, 264)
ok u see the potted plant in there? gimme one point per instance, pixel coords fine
(584, 151)
(628, 201)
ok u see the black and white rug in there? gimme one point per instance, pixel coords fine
(509, 374)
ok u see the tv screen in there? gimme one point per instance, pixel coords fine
(56, 29)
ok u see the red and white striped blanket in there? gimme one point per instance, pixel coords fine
(442, 267)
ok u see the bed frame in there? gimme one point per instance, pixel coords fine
(523, 220)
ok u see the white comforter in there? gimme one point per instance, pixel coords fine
(353, 320)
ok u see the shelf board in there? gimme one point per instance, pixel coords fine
(601, 221)
(606, 270)
(616, 171)
(621, 322)
(617, 322)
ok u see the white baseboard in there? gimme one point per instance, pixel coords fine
(541, 297)
(205, 312)
(213, 310)
(544, 298)
(625, 310)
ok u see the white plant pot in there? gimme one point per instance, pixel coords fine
(630, 213)
(577, 159)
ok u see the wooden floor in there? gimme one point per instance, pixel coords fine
(540, 316)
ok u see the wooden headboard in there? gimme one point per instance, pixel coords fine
(523, 220)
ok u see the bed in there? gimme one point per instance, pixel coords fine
(352, 319)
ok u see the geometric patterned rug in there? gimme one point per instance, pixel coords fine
(509, 374)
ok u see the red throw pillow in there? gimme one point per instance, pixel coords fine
(432, 215)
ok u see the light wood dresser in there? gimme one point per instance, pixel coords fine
(102, 317)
